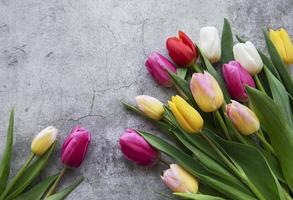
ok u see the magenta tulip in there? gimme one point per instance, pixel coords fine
(136, 149)
(236, 77)
(75, 147)
(157, 65)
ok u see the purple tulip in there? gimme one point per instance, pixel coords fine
(136, 149)
(236, 77)
(75, 147)
(157, 65)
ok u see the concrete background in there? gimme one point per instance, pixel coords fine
(66, 62)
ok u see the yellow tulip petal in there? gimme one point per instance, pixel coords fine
(288, 46)
(278, 42)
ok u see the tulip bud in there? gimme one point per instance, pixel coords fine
(136, 149)
(209, 43)
(236, 78)
(247, 55)
(179, 180)
(206, 92)
(182, 50)
(283, 44)
(43, 141)
(187, 117)
(244, 120)
(157, 65)
(75, 147)
(150, 106)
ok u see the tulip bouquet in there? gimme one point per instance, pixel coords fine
(229, 129)
(24, 185)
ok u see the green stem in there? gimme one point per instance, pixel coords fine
(54, 186)
(265, 143)
(222, 124)
(259, 84)
(18, 175)
(163, 161)
(242, 176)
(196, 67)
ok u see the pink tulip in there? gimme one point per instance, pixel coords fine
(236, 77)
(157, 65)
(136, 149)
(75, 147)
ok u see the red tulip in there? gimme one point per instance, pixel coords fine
(136, 149)
(236, 77)
(75, 147)
(157, 65)
(182, 50)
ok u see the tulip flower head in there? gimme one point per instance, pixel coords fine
(206, 92)
(157, 65)
(236, 78)
(283, 44)
(179, 180)
(244, 119)
(187, 117)
(247, 55)
(182, 50)
(75, 147)
(43, 141)
(136, 149)
(150, 106)
(209, 43)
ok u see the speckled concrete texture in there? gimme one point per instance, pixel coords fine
(67, 62)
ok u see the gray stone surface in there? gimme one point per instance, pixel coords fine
(67, 62)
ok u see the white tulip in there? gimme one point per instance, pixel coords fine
(210, 44)
(249, 58)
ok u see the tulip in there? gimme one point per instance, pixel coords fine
(187, 117)
(244, 120)
(209, 43)
(206, 92)
(75, 147)
(150, 106)
(182, 50)
(43, 141)
(157, 65)
(283, 44)
(236, 78)
(179, 180)
(247, 55)
(136, 149)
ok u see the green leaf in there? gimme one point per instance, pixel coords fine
(181, 72)
(30, 174)
(278, 62)
(37, 191)
(216, 75)
(227, 42)
(182, 84)
(195, 168)
(255, 168)
(280, 95)
(65, 192)
(198, 196)
(278, 129)
(6, 157)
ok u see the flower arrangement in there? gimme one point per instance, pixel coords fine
(230, 128)
(24, 186)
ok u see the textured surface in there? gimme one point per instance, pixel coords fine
(71, 62)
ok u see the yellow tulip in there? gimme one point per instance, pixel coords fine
(283, 44)
(187, 117)
(244, 120)
(206, 92)
(43, 141)
(179, 180)
(150, 106)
